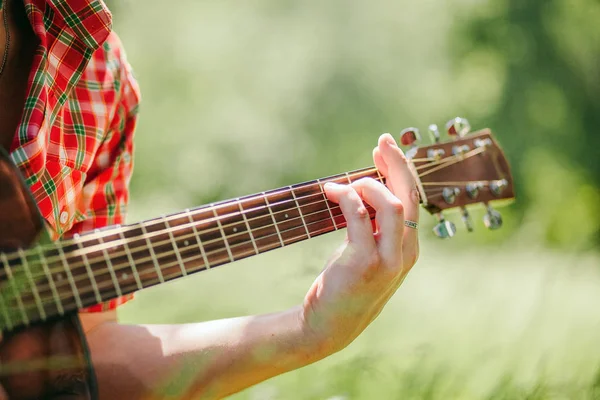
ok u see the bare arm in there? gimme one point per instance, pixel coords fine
(217, 358)
(204, 360)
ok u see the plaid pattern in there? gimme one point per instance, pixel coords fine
(75, 141)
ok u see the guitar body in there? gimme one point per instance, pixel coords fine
(46, 360)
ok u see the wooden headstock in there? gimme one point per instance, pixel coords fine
(471, 169)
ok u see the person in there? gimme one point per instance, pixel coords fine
(69, 106)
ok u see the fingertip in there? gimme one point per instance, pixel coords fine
(332, 191)
(387, 140)
(379, 161)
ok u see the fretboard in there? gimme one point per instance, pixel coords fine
(49, 281)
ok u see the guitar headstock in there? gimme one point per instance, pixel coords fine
(469, 169)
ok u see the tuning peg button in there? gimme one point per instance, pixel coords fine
(473, 188)
(492, 219)
(449, 194)
(458, 127)
(444, 229)
(410, 137)
(496, 187)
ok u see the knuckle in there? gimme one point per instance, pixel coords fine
(396, 207)
(362, 213)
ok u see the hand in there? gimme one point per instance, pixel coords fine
(369, 267)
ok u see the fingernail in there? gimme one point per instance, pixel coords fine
(330, 185)
(390, 140)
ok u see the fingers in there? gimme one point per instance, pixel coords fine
(389, 216)
(360, 230)
(400, 179)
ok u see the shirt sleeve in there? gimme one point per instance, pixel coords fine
(106, 190)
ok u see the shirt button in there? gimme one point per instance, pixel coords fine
(64, 217)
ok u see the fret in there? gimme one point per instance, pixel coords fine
(367, 173)
(44, 262)
(197, 237)
(327, 203)
(175, 247)
(152, 254)
(111, 268)
(288, 217)
(236, 229)
(300, 211)
(11, 282)
(313, 206)
(65, 265)
(34, 290)
(273, 217)
(380, 177)
(222, 232)
(348, 177)
(134, 269)
(88, 268)
(247, 226)
(260, 220)
(9, 323)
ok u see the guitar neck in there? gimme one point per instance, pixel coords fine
(103, 265)
(48, 281)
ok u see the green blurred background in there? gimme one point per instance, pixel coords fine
(240, 97)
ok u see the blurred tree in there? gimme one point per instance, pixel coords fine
(550, 101)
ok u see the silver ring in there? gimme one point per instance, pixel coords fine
(411, 224)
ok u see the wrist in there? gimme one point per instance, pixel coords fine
(316, 340)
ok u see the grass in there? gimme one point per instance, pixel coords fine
(513, 322)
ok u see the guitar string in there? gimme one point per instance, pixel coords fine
(183, 238)
(123, 229)
(320, 192)
(466, 155)
(144, 248)
(456, 183)
(108, 244)
(453, 157)
(88, 237)
(87, 292)
(120, 267)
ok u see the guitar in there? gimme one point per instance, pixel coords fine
(43, 353)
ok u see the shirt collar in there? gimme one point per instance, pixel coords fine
(69, 32)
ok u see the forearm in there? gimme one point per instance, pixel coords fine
(233, 354)
(207, 360)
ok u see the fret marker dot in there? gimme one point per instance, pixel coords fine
(186, 242)
(59, 277)
(124, 276)
(234, 230)
(287, 216)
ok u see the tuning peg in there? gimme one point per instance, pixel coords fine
(444, 229)
(466, 217)
(473, 188)
(410, 137)
(492, 219)
(458, 127)
(434, 133)
(449, 194)
(496, 187)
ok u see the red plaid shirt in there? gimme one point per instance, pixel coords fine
(75, 140)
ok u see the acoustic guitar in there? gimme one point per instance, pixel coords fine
(43, 353)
